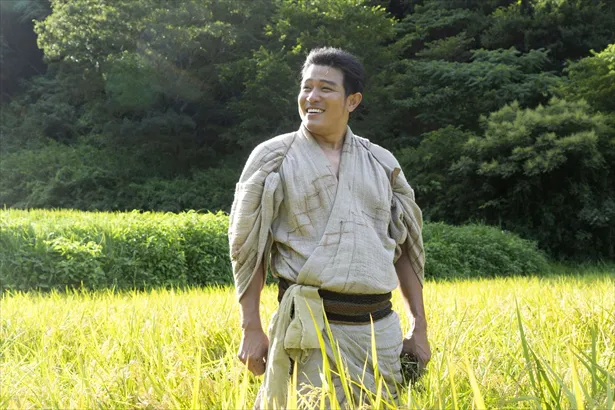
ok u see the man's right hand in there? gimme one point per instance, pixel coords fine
(253, 350)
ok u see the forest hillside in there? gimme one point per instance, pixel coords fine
(500, 111)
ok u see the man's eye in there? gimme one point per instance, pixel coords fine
(306, 88)
(326, 89)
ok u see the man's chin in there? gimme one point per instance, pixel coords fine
(312, 126)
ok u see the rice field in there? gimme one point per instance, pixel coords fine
(522, 342)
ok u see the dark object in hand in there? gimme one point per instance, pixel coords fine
(411, 370)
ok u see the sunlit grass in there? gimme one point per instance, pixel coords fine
(516, 342)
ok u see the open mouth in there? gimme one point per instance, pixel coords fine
(314, 111)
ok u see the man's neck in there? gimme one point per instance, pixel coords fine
(331, 142)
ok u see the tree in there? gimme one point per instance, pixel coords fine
(267, 106)
(20, 57)
(143, 105)
(428, 167)
(434, 31)
(567, 29)
(138, 82)
(421, 96)
(546, 173)
(593, 79)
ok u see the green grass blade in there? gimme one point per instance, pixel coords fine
(451, 377)
(596, 371)
(291, 400)
(544, 378)
(594, 361)
(576, 385)
(526, 353)
(561, 383)
(196, 383)
(610, 393)
(478, 397)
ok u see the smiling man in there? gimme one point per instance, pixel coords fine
(334, 218)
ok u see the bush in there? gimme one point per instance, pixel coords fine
(478, 251)
(58, 249)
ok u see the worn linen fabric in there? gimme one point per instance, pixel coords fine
(322, 232)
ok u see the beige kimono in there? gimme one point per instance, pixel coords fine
(319, 231)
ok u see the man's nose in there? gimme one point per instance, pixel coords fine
(313, 95)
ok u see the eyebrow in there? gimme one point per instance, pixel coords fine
(322, 81)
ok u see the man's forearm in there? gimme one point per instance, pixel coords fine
(250, 302)
(411, 290)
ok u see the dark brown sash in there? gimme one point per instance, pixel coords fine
(347, 308)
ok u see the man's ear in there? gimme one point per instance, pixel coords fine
(353, 101)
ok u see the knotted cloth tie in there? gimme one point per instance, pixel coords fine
(294, 332)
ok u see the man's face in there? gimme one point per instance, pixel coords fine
(323, 105)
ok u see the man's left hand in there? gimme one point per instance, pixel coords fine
(418, 346)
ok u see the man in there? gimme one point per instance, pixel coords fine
(337, 220)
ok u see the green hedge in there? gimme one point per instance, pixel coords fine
(478, 250)
(57, 249)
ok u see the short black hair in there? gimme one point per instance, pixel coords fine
(348, 64)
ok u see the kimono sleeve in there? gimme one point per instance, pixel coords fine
(406, 223)
(258, 195)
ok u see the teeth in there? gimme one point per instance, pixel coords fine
(314, 110)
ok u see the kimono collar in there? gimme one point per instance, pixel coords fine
(348, 137)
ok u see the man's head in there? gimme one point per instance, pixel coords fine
(331, 87)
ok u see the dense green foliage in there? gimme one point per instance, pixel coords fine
(138, 105)
(478, 251)
(20, 57)
(546, 173)
(59, 249)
